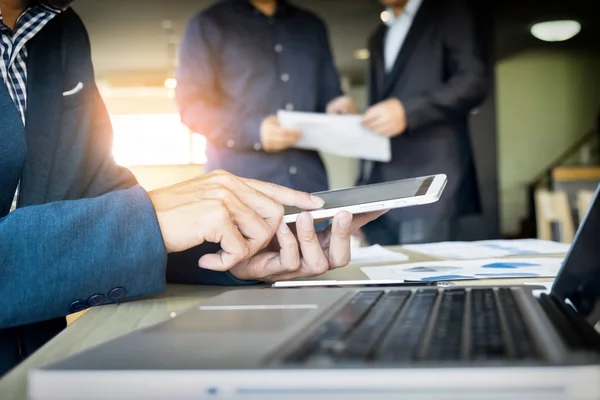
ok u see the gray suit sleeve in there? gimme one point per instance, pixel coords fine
(59, 258)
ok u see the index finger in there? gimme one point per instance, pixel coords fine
(286, 196)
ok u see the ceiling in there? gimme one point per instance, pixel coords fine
(129, 42)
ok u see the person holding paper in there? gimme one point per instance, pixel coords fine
(240, 62)
(426, 76)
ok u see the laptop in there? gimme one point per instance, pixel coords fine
(363, 343)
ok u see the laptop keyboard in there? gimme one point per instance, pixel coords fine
(401, 326)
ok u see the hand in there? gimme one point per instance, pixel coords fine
(341, 105)
(387, 118)
(242, 215)
(274, 138)
(301, 252)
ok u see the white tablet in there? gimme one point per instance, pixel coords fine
(381, 196)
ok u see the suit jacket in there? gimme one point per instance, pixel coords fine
(439, 76)
(84, 233)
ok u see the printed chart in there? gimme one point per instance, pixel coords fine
(468, 269)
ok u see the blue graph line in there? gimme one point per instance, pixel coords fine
(511, 275)
(446, 278)
(507, 265)
(514, 250)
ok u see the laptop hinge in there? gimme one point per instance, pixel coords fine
(574, 330)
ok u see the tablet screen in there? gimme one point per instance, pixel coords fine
(371, 193)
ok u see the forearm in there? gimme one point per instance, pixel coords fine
(63, 252)
(455, 100)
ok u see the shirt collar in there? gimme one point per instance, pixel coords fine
(37, 4)
(410, 10)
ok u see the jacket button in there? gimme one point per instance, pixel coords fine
(96, 300)
(117, 293)
(77, 306)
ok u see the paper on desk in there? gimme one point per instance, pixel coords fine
(489, 248)
(375, 253)
(468, 269)
(341, 135)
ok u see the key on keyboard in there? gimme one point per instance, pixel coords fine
(328, 336)
(404, 337)
(486, 332)
(520, 337)
(446, 340)
(361, 343)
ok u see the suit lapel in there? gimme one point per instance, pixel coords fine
(9, 110)
(43, 115)
(419, 25)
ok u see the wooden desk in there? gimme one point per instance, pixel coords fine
(104, 323)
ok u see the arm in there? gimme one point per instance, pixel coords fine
(55, 254)
(329, 87)
(203, 106)
(466, 86)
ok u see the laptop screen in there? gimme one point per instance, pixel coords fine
(579, 278)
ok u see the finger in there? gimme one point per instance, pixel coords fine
(292, 133)
(382, 128)
(371, 115)
(233, 245)
(339, 242)
(285, 196)
(313, 256)
(376, 124)
(266, 207)
(360, 220)
(249, 223)
(284, 261)
(288, 259)
(289, 254)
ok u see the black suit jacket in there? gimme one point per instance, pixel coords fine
(439, 76)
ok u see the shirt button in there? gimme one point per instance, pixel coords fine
(257, 146)
(293, 170)
(289, 106)
(230, 143)
(278, 48)
(285, 77)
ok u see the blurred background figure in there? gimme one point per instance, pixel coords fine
(426, 76)
(240, 62)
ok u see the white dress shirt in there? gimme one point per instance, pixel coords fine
(398, 27)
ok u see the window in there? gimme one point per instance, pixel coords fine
(155, 139)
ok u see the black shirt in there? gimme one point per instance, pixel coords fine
(238, 66)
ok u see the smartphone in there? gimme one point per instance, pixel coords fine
(380, 196)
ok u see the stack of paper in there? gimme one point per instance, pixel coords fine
(489, 248)
(341, 135)
(468, 269)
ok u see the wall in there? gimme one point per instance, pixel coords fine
(545, 102)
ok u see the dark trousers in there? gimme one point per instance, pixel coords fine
(387, 231)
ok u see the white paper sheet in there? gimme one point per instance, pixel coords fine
(490, 248)
(468, 269)
(341, 135)
(375, 253)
